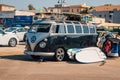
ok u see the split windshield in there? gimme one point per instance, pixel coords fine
(40, 28)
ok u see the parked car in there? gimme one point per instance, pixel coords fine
(1, 27)
(111, 45)
(108, 34)
(9, 39)
(54, 38)
(19, 31)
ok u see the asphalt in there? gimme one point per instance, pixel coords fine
(14, 65)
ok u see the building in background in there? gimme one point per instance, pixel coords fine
(37, 14)
(111, 13)
(68, 9)
(6, 18)
(23, 18)
(4, 7)
(6, 15)
(101, 23)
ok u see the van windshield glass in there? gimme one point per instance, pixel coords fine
(40, 28)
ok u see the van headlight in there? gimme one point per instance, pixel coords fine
(42, 44)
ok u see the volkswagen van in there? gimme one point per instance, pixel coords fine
(54, 38)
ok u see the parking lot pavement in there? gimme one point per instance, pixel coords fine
(14, 65)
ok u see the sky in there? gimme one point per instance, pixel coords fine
(39, 4)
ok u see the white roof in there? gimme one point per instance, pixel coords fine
(24, 13)
(110, 24)
(7, 14)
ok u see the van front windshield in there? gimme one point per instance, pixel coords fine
(40, 28)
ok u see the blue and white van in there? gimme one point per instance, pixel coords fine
(54, 38)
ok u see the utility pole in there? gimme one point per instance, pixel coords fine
(61, 2)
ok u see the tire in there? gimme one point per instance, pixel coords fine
(12, 42)
(59, 54)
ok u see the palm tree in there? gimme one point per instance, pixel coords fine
(30, 7)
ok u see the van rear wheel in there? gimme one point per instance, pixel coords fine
(59, 54)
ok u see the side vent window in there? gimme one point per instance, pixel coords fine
(85, 29)
(60, 29)
(78, 29)
(70, 29)
(92, 29)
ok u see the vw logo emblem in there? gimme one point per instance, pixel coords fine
(33, 39)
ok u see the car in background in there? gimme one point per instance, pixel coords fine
(108, 34)
(19, 31)
(1, 27)
(112, 39)
(9, 39)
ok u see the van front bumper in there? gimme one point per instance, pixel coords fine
(39, 53)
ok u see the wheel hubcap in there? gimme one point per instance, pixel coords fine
(12, 42)
(60, 54)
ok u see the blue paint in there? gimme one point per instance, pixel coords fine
(23, 20)
(115, 48)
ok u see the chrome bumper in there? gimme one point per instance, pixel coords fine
(39, 53)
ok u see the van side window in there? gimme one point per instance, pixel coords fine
(85, 29)
(70, 29)
(92, 29)
(78, 29)
(60, 29)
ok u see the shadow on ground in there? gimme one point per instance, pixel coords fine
(16, 57)
(2, 46)
(45, 59)
(27, 58)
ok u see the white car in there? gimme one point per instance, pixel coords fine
(19, 31)
(9, 39)
(1, 26)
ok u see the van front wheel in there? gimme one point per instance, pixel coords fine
(59, 54)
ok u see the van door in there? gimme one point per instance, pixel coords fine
(60, 35)
(71, 37)
(79, 34)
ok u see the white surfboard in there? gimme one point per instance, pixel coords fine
(72, 52)
(90, 55)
